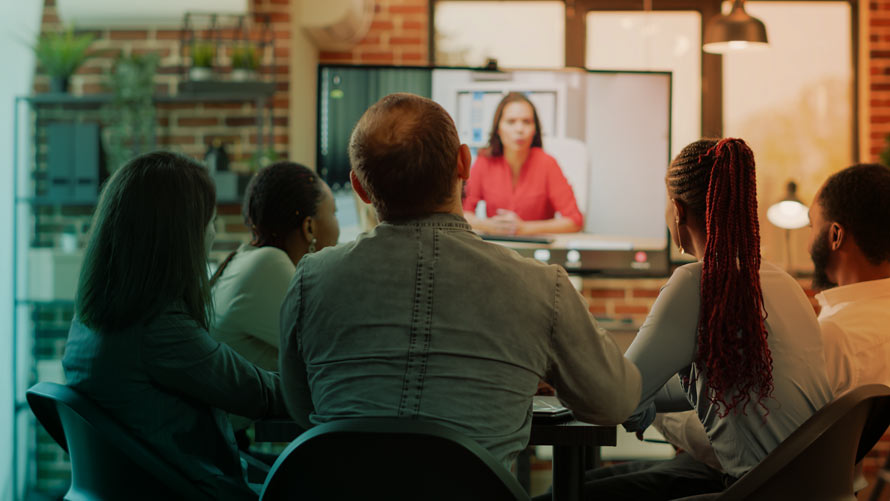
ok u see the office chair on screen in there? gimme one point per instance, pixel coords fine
(387, 458)
(816, 461)
(107, 462)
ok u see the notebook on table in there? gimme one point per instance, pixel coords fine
(550, 409)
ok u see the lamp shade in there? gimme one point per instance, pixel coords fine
(789, 213)
(734, 31)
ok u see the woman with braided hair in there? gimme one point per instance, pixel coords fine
(728, 336)
(290, 211)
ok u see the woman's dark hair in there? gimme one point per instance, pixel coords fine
(146, 247)
(278, 199)
(495, 146)
(716, 179)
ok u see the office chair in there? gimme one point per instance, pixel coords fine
(107, 462)
(388, 458)
(816, 461)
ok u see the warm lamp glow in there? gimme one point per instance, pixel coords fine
(790, 213)
(735, 31)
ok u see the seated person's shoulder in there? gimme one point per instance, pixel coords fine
(253, 260)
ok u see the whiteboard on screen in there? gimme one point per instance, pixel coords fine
(628, 138)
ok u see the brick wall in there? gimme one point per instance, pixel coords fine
(190, 127)
(398, 35)
(879, 75)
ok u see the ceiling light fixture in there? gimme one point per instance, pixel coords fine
(736, 31)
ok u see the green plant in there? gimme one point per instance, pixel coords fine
(129, 119)
(61, 53)
(203, 55)
(262, 158)
(245, 58)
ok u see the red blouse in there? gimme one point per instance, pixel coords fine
(541, 192)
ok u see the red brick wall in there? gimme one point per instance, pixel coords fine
(878, 64)
(398, 35)
(188, 127)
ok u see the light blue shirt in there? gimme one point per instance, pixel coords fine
(423, 319)
(664, 350)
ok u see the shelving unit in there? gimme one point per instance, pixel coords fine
(36, 225)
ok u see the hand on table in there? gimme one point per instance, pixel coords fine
(505, 222)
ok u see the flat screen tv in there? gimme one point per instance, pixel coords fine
(608, 130)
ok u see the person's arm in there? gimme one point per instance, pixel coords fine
(665, 344)
(294, 380)
(562, 198)
(590, 374)
(555, 225)
(182, 357)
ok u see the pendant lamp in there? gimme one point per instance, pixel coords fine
(735, 31)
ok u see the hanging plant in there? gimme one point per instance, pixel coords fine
(129, 118)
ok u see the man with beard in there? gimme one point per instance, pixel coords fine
(850, 249)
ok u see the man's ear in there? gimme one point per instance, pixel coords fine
(464, 158)
(359, 189)
(836, 236)
(679, 211)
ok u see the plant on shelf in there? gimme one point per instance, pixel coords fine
(264, 157)
(60, 54)
(129, 119)
(203, 54)
(245, 60)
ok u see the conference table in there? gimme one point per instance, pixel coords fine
(570, 440)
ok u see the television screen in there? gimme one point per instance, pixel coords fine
(609, 131)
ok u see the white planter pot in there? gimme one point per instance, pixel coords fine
(243, 75)
(200, 73)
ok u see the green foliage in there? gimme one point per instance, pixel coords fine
(245, 57)
(264, 157)
(61, 53)
(203, 54)
(130, 116)
(884, 157)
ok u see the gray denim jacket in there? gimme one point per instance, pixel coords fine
(423, 319)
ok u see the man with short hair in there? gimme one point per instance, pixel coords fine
(420, 318)
(850, 248)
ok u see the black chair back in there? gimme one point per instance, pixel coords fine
(107, 462)
(384, 458)
(816, 461)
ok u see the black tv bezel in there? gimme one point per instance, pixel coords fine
(609, 262)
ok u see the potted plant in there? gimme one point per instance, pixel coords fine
(129, 118)
(60, 54)
(245, 61)
(203, 54)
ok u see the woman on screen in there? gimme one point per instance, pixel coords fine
(729, 337)
(523, 187)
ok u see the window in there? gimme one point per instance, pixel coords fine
(518, 34)
(659, 41)
(793, 104)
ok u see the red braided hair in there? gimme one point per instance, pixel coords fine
(732, 339)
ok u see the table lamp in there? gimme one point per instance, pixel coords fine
(789, 214)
